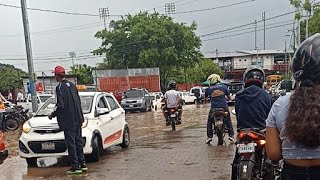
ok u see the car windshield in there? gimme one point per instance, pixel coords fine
(195, 91)
(44, 98)
(48, 107)
(134, 94)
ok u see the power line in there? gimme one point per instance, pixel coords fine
(247, 32)
(55, 11)
(53, 31)
(214, 8)
(233, 20)
(248, 24)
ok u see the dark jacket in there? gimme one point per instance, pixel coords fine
(252, 106)
(68, 108)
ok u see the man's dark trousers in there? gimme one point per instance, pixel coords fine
(74, 143)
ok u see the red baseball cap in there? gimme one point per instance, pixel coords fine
(59, 70)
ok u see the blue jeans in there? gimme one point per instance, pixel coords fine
(228, 124)
(290, 172)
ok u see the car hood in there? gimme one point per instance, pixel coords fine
(43, 122)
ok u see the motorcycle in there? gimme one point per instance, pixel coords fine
(173, 116)
(219, 117)
(253, 160)
(10, 121)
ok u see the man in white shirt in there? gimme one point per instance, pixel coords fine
(20, 96)
(172, 99)
(10, 96)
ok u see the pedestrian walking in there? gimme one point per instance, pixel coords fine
(70, 117)
(10, 97)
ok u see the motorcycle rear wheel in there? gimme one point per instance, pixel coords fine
(220, 136)
(173, 124)
(12, 124)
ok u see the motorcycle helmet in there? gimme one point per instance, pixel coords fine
(306, 61)
(214, 78)
(254, 76)
(172, 85)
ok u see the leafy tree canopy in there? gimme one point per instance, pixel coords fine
(10, 77)
(83, 73)
(149, 40)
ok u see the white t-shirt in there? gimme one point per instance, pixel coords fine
(20, 96)
(172, 98)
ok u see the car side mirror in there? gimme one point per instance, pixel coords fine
(102, 111)
(32, 114)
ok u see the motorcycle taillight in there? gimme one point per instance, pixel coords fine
(247, 136)
(172, 110)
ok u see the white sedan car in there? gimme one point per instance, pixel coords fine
(156, 101)
(104, 126)
(187, 98)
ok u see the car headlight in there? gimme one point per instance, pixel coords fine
(26, 127)
(85, 123)
(140, 101)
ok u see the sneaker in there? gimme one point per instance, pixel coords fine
(83, 167)
(231, 139)
(74, 171)
(178, 121)
(208, 140)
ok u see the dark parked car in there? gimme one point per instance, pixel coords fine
(137, 100)
(234, 88)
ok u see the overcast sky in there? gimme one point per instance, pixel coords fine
(51, 40)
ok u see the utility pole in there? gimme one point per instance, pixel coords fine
(307, 25)
(72, 55)
(170, 8)
(32, 75)
(104, 13)
(299, 33)
(255, 35)
(264, 29)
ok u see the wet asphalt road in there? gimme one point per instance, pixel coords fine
(155, 152)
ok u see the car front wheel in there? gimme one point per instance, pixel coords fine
(125, 138)
(96, 148)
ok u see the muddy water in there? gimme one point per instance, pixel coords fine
(155, 153)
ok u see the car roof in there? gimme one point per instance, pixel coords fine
(89, 93)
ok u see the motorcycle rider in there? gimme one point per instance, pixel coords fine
(252, 105)
(217, 92)
(172, 99)
(293, 122)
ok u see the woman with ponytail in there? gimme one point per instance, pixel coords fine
(293, 124)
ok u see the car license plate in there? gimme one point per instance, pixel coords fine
(219, 123)
(246, 148)
(173, 115)
(130, 105)
(48, 146)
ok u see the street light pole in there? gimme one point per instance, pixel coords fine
(29, 55)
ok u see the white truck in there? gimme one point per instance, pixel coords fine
(41, 98)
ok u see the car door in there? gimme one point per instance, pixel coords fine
(104, 123)
(117, 122)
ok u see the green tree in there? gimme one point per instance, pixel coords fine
(10, 77)
(310, 10)
(150, 40)
(83, 73)
(196, 74)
